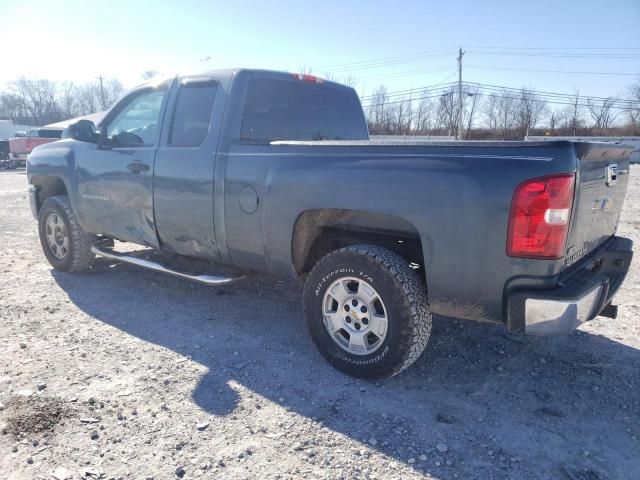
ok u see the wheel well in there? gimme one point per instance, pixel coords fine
(319, 232)
(48, 187)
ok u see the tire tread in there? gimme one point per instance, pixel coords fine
(417, 327)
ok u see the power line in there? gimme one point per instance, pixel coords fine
(541, 91)
(400, 58)
(560, 48)
(368, 66)
(627, 52)
(504, 92)
(400, 101)
(500, 88)
(571, 98)
(409, 73)
(602, 56)
(437, 86)
(554, 71)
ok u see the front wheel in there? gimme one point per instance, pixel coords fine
(367, 311)
(64, 243)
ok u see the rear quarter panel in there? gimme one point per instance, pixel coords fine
(456, 197)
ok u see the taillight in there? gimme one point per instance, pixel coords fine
(539, 217)
(307, 78)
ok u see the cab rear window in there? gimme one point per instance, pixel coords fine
(296, 110)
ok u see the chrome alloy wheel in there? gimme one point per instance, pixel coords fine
(355, 316)
(57, 236)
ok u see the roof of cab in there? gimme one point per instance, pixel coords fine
(227, 73)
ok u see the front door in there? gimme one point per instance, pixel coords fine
(115, 179)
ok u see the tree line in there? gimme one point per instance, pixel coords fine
(504, 114)
(487, 113)
(41, 102)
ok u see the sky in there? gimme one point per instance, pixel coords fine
(417, 40)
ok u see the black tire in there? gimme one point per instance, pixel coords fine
(78, 256)
(403, 294)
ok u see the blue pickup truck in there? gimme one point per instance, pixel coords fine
(274, 172)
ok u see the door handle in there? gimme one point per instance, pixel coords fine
(137, 167)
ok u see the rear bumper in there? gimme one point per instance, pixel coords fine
(578, 298)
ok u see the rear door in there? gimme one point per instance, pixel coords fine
(603, 174)
(184, 168)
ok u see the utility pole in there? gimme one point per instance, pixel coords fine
(575, 114)
(104, 106)
(460, 54)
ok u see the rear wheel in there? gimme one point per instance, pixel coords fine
(64, 243)
(367, 311)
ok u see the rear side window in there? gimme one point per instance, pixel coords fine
(45, 133)
(296, 110)
(192, 114)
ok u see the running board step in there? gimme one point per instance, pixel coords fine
(151, 265)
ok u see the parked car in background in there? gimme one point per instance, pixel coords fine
(4, 154)
(22, 145)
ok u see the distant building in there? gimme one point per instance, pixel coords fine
(8, 129)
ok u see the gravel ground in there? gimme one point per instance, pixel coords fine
(121, 373)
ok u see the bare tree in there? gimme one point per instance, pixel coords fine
(377, 110)
(349, 81)
(633, 108)
(423, 116)
(531, 110)
(40, 102)
(89, 98)
(447, 113)
(506, 114)
(33, 100)
(490, 111)
(601, 113)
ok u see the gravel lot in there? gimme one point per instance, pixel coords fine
(123, 373)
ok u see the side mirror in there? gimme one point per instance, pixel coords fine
(83, 131)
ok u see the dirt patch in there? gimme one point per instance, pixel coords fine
(31, 414)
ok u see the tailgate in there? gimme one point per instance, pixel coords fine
(602, 177)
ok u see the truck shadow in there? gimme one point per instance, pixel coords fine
(477, 402)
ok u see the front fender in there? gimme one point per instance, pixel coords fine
(52, 169)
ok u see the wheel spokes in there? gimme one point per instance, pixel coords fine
(56, 235)
(358, 342)
(340, 291)
(378, 325)
(354, 315)
(333, 321)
